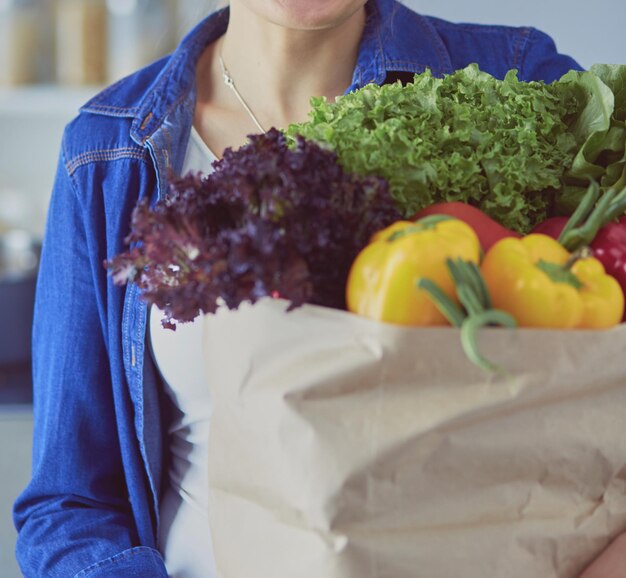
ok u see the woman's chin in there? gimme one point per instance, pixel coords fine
(306, 14)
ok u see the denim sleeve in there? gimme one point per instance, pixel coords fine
(137, 562)
(74, 518)
(540, 59)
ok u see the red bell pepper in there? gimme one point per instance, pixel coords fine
(553, 227)
(488, 231)
(609, 247)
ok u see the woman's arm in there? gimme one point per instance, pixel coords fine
(611, 563)
(74, 519)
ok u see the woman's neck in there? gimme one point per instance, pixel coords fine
(278, 69)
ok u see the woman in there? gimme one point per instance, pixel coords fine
(120, 430)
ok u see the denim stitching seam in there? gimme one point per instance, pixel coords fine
(104, 155)
(520, 49)
(118, 557)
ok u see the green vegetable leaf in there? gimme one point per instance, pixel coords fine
(500, 145)
(600, 128)
(591, 125)
(614, 76)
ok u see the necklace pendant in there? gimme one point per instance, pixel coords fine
(228, 81)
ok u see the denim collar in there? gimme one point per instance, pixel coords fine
(392, 42)
(179, 77)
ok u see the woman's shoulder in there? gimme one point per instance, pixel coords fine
(500, 47)
(125, 97)
(495, 48)
(107, 121)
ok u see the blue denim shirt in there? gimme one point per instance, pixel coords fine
(92, 506)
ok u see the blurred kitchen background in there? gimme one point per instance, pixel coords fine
(55, 54)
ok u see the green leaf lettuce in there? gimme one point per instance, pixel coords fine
(500, 145)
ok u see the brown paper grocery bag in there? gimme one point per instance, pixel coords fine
(346, 448)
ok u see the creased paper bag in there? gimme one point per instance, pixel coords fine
(346, 448)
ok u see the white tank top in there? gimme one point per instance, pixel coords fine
(184, 537)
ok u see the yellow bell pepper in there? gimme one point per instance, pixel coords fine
(382, 284)
(541, 284)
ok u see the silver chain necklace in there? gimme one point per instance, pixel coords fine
(228, 81)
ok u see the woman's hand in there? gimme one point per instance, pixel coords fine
(611, 563)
